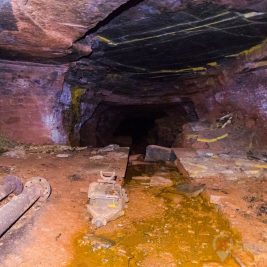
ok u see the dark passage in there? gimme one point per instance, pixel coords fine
(139, 130)
(136, 126)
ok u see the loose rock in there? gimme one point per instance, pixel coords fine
(97, 242)
(159, 153)
(160, 181)
(62, 155)
(190, 190)
(17, 152)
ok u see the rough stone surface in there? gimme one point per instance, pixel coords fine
(159, 153)
(231, 168)
(190, 190)
(160, 181)
(41, 29)
(240, 89)
(29, 102)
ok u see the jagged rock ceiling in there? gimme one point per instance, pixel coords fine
(114, 42)
(42, 30)
(60, 31)
(177, 43)
(153, 41)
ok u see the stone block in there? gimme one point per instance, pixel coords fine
(159, 153)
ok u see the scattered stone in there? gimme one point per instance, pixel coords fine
(160, 181)
(6, 144)
(109, 148)
(252, 198)
(48, 149)
(17, 152)
(74, 177)
(96, 157)
(118, 155)
(80, 148)
(5, 169)
(190, 190)
(97, 242)
(202, 153)
(159, 153)
(62, 155)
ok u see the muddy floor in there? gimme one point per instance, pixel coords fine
(161, 227)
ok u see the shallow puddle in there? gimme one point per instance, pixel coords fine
(184, 232)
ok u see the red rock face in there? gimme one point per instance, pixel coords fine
(240, 89)
(29, 107)
(47, 29)
(246, 99)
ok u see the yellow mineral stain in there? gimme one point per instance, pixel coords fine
(105, 40)
(251, 50)
(212, 140)
(194, 69)
(188, 232)
(76, 94)
(261, 166)
(213, 64)
(172, 33)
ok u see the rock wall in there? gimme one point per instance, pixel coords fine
(240, 89)
(30, 110)
(246, 98)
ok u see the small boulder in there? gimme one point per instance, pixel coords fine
(17, 152)
(109, 148)
(97, 242)
(160, 181)
(159, 153)
(96, 157)
(190, 190)
(63, 155)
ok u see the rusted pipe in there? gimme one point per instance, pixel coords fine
(10, 184)
(36, 189)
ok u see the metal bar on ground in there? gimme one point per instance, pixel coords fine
(36, 189)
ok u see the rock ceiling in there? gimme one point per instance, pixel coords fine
(44, 30)
(173, 44)
(147, 39)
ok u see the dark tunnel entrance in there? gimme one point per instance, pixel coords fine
(136, 126)
(139, 130)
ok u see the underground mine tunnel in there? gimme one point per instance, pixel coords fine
(133, 133)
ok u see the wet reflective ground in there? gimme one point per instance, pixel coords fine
(161, 228)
